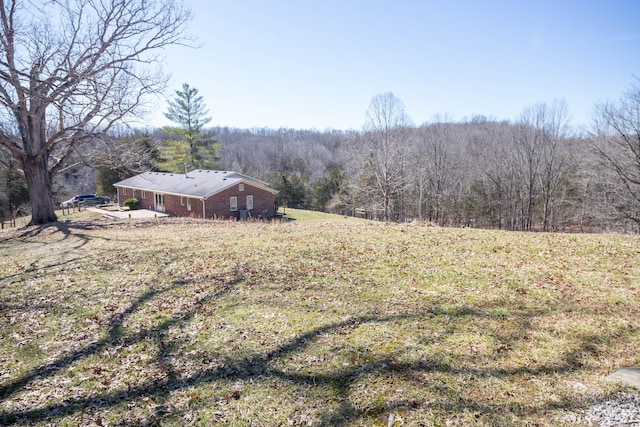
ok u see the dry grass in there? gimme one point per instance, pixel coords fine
(318, 322)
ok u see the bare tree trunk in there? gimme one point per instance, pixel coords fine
(420, 197)
(39, 181)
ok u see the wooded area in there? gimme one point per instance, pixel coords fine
(535, 174)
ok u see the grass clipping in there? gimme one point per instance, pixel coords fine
(311, 323)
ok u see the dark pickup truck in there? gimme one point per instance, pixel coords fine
(86, 199)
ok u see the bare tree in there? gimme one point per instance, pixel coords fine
(121, 157)
(526, 158)
(437, 160)
(499, 175)
(617, 145)
(540, 153)
(551, 123)
(69, 71)
(385, 143)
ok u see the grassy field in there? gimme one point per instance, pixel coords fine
(321, 321)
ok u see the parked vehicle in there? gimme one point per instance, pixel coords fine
(86, 199)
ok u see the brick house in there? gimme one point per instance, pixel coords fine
(200, 194)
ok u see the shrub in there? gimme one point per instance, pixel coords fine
(132, 203)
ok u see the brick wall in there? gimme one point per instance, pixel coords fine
(216, 206)
(179, 206)
(219, 205)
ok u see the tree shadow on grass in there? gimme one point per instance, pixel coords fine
(77, 228)
(68, 228)
(70, 237)
(115, 336)
(263, 365)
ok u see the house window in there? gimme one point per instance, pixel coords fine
(124, 191)
(143, 194)
(233, 203)
(241, 187)
(181, 201)
(188, 204)
(134, 193)
(249, 202)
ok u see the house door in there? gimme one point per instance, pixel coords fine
(159, 202)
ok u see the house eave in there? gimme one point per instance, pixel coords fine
(251, 182)
(191, 196)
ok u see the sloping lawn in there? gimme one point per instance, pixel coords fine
(310, 323)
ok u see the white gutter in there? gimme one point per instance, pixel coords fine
(204, 209)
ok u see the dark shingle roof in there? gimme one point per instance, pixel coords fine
(197, 183)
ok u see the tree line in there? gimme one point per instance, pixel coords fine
(532, 174)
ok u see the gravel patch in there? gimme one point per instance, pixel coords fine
(620, 410)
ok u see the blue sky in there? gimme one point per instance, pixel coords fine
(316, 64)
